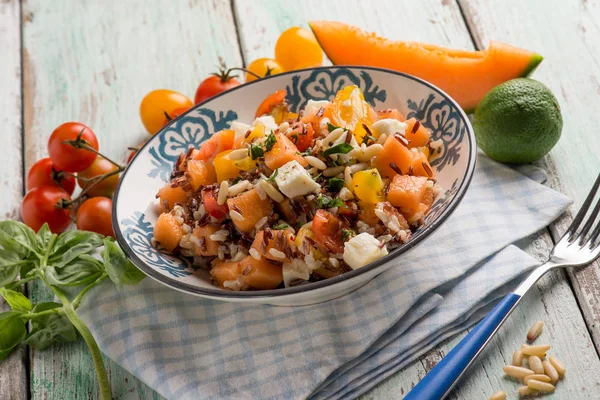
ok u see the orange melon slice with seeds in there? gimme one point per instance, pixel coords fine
(465, 75)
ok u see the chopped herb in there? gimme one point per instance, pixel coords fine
(280, 226)
(347, 234)
(273, 175)
(270, 141)
(331, 127)
(368, 138)
(256, 151)
(295, 138)
(318, 176)
(342, 148)
(335, 184)
(326, 202)
(236, 180)
(308, 152)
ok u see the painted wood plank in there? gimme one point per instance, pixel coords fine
(261, 22)
(567, 34)
(13, 370)
(93, 62)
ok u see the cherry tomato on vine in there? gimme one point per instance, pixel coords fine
(106, 187)
(298, 47)
(95, 215)
(263, 67)
(40, 206)
(133, 151)
(158, 102)
(215, 84)
(43, 172)
(67, 157)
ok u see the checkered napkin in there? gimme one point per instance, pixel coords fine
(186, 347)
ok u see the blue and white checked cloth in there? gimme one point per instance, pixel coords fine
(190, 348)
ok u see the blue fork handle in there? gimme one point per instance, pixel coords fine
(440, 380)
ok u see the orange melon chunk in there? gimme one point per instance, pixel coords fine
(251, 208)
(393, 152)
(274, 243)
(260, 274)
(465, 75)
(208, 247)
(391, 113)
(283, 151)
(167, 231)
(407, 191)
(225, 271)
(201, 173)
(418, 136)
(170, 195)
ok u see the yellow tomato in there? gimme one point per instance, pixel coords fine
(158, 102)
(368, 186)
(246, 163)
(263, 67)
(256, 133)
(225, 167)
(296, 48)
(304, 232)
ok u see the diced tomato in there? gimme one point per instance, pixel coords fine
(272, 101)
(302, 139)
(209, 198)
(328, 231)
(221, 141)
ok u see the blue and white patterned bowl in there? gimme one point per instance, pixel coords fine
(134, 206)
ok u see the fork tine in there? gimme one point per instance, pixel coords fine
(581, 214)
(595, 233)
(588, 224)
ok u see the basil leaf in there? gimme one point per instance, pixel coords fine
(17, 238)
(16, 300)
(80, 271)
(9, 274)
(335, 184)
(326, 202)
(12, 332)
(120, 270)
(270, 141)
(72, 244)
(49, 329)
(256, 151)
(342, 148)
(44, 236)
(331, 127)
(273, 175)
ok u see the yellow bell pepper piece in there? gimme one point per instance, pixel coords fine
(256, 133)
(225, 167)
(368, 186)
(246, 164)
(306, 231)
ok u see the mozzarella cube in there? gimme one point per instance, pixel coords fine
(312, 106)
(239, 128)
(389, 126)
(267, 121)
(293, 180)
(363, 249)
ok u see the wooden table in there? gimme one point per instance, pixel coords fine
(93, 61)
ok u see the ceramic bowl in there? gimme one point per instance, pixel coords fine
(134, 205)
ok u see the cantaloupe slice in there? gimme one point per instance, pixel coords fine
(465, 75)
(207, 246)
(169, 195)
(282, 152)
(167, 231)
(273, 243)
(257, 274)
(201, 173)
(407, 191)
(417, 136)
(250, 208)
(408, 161)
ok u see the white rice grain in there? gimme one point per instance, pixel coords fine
(261, 222)
(218, 238)
(382, 139)
(346, 194)
(332, 137)
(348, 178)
(277, 254)
(223, 191)
(255, 254)
(358, 167)
(333, 171)
(238, 188)
(236, 216)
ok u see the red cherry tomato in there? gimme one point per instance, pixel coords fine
(328, 231)
(43, 172)
(215, 84)
(272, 101)
(209, 198)
(106, 187)
(67, 157)
(39, 207)
(95, 215)
(303, 138)
(220, 141)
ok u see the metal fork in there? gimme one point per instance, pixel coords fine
(580, 245)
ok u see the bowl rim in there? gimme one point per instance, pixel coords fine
(413, 242)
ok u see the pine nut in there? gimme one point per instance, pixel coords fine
(540, 386)
(535, 331)
(539, 350)
(517, 359)
(558, 365)
(517, 372)
(526, 391)
(499, 395)
(537, 377)
(550, 371)
(237, 155)
(223, 191)
(535, 364)
(271, 191)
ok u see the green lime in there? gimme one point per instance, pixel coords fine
(518, 121)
